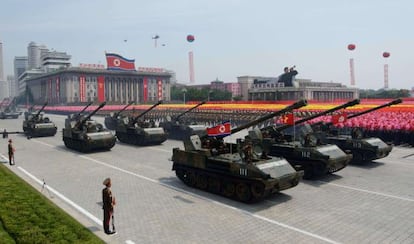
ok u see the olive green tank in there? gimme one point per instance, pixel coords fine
(136, 132)
(301, 148)
(240, 170)
(111, 120)
(37, 125)
(10, 111)
(363, 149)
(179, 129)
(85, 135)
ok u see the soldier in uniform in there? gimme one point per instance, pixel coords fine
(108, 205)
(11, 152)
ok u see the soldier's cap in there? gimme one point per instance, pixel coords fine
(107, 181)
(10, 140)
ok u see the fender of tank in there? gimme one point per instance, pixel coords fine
(37, 125)
(363, 149)
(179, 129)
(234, 170)
(133, 131)
(111, 120)
(307, 153)
(85, 135)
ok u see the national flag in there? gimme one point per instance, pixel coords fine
(220, 130)
(339, 118)
(288, 119)
(117, 62)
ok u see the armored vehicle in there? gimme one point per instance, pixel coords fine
(307, 153)
(37, 125)
(134, 131)
(112, 120)
(85, 135)
(363, 149)
(10, 111)
(236, 170)
(178, 128)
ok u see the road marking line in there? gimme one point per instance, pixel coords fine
(213, 201)
(129, 242)
(61, 196)
(368, 191)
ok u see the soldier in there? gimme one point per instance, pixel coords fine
(108, 206)
(11, 152)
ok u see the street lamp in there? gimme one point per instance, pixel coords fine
(184, 90)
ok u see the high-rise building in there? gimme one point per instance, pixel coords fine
(20, 66)
(11, 83)
(1, 62)
(52, 61)
(34, 54)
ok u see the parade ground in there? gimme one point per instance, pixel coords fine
(366, 203)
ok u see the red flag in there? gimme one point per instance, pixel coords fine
(117, 62)
(101, 88)
(339, 118)
(288, 119)
(220, 130)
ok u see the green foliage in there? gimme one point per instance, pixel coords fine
(195, 94)
(393, 93)
(28, 217)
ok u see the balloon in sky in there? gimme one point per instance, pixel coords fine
(190, 38)
(351, 47)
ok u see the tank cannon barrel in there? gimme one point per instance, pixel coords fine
(40, 110)
(145, 112)
(296, 105)
(122, 110)
(83, 120)
(189, 110)
(345, 105)
(83, 110)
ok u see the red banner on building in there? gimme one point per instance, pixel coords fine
(57, 89)
(49, 96)
(101, 88)
(159, 84)
(145, 92)
(82, 88)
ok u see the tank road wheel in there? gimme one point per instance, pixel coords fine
(202, 181)
(319, 170)
(228, 189)
(180, 174)
(214, 184)
(243, 192)
(189, 178)
(257, 191)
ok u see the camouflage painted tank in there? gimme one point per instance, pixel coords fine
(111, 120)
(363, 149)
(235, 170)
(307, 153)
(178, 128)
(37, 125)
(85, 135)
(10, 111)
(136, 132)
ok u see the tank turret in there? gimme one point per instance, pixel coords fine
(37, 125)
(137, 132)
(307, 153)
(363, 149)
(112, 120)
(85, 135)
(10, 111)
(178, 128)
(234, 170)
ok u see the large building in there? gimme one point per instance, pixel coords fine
(1, 62)
(75, 85)
(20, 66)
(268, 89)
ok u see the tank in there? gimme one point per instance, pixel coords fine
(136, 132)
(240, 170)
(301, 148)
(179, 129)
(10, 111)
(84, 135)
(363, 149)
(37, 125)
(111, 120)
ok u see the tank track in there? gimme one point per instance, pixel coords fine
(243, 190)
(136, 139)
(83, 146)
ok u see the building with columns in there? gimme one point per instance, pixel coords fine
(79, 84)
(268, 89)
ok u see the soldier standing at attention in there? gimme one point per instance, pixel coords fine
(108, 206)
(11, 152)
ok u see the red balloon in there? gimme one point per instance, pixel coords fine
(190, 38)
(351, 47)
(385, 54)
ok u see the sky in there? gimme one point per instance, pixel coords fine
(232, 37)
